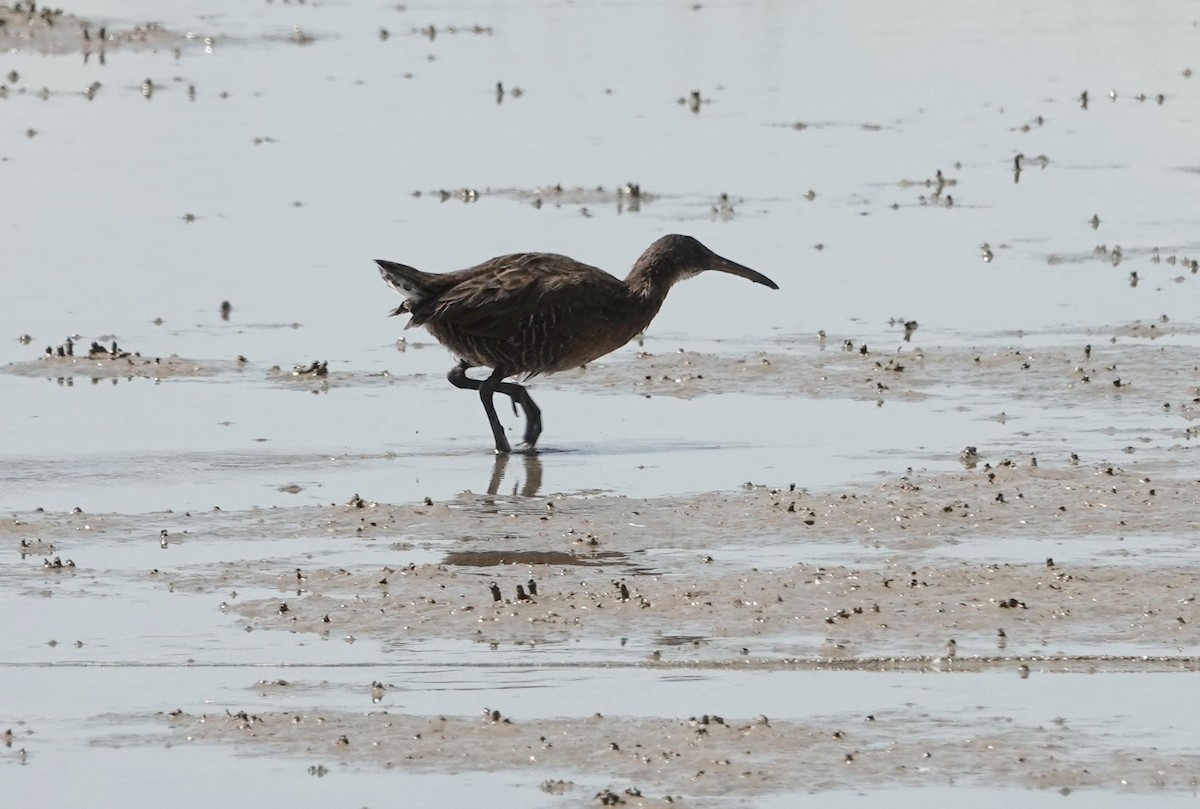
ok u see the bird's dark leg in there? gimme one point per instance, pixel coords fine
(518, 393)
(487, 389)
(533, 413)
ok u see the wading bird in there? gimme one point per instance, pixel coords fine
(538, 313)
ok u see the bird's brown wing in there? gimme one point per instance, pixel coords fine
(494, 299)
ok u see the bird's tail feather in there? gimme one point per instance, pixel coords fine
(404, 279)
(408, 281)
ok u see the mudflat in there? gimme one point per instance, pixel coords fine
(920, 526)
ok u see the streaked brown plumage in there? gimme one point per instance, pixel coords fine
(537, 313)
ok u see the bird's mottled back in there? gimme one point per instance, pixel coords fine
(493, 295)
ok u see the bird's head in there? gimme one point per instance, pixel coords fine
(675, 257)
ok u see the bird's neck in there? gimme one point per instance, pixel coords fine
(647, 291)
(649, 286)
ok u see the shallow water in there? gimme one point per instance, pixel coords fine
(312, 145)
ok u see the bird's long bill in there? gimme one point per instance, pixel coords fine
(733, 268)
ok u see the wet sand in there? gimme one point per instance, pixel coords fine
(691, 760)
(1055, 568)
(1073, 561)
(1033, 559)
(51, 30)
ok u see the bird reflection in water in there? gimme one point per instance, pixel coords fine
(533, 475)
